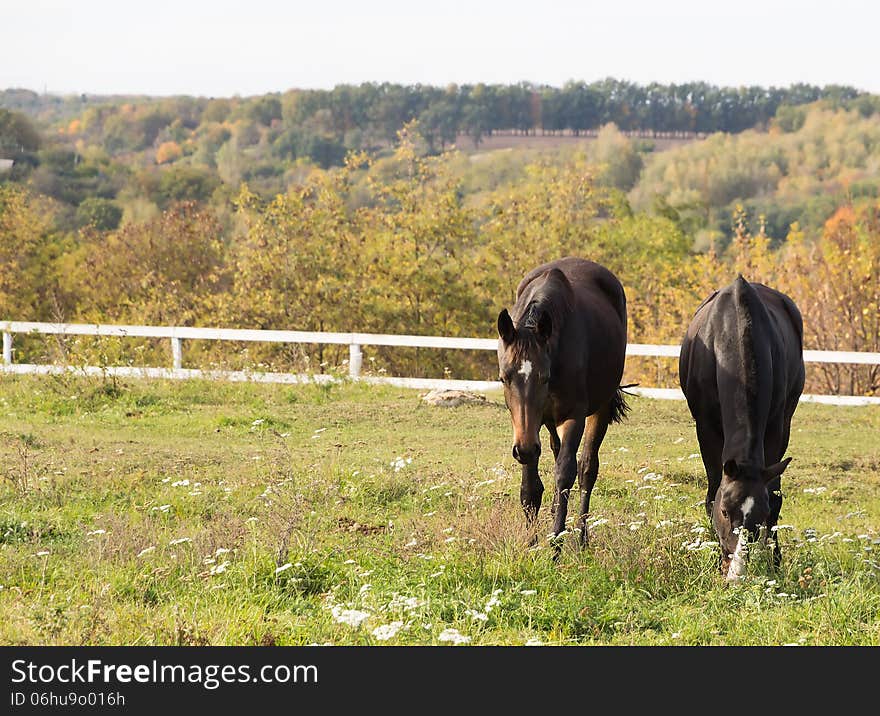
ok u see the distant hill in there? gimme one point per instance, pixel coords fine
(673, 148)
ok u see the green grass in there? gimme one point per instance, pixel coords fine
(158, 513)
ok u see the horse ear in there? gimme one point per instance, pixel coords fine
(731, 468)
(545, 326)
(505, 327)
(774, 471)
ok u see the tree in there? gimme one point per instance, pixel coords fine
(17, 134)
(26, 273)
(162, 272)
(184, 183)
(168, 152)
(102, 214)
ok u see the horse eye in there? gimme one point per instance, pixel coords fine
(724, 513)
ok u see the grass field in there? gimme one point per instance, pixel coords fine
(210, 513)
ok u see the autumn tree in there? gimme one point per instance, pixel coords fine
(27, 270)
(418, 252)
(164, 272)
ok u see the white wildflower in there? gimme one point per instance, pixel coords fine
(474, 614)
(144, 551)
(283, 568)
(384, 632)
(405, 603)
(352, 617)
(494, 601)
(454, 636)
(400, 463)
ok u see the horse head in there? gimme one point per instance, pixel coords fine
(524, 369)
(740, 508)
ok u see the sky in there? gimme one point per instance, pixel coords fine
(249, 47)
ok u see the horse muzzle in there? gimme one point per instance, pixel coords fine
(526, 455)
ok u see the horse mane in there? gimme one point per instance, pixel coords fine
(746, 301)
(549, 293)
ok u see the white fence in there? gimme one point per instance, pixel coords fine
(355, 342)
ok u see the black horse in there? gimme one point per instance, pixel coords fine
(560, 357)
(742, 371)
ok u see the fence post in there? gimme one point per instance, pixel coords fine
(355, 360)
(7, 348)
(176, 352)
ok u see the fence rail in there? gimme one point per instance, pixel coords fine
(355, 343)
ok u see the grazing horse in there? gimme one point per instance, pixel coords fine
(741, 369)
(561, 351)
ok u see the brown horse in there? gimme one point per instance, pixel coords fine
(560, 357)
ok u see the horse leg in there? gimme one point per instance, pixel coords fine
(572, 431)
(530, 494)
(775, 445)
(711, 443)
(554, 438)
(588, 466)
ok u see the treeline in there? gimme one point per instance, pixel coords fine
(480, 110)
(379, 110)
(393, 246)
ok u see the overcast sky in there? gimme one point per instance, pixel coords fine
(248, 47)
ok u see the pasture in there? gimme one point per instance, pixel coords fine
(195, 512)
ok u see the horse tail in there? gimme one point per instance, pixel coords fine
(619, 407)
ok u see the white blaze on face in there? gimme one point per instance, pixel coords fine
(738, 559)
(747, 506)
(525, 369)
